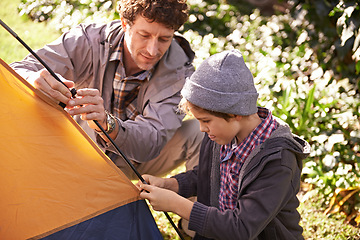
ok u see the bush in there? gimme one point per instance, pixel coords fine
(335, 34)
(67, 14)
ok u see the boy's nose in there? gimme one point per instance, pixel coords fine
(203, 128)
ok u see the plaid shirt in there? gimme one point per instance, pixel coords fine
(126, 89)
(233, 157)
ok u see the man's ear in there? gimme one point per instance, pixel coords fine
(123, 24)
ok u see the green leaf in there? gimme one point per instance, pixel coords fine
(357, 66)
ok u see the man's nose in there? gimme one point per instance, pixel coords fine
(152, 47)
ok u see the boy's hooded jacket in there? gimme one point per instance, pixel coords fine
(268, 183)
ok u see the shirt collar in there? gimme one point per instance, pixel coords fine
(257, 136)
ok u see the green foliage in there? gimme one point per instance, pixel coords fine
(335, 33)
(67, 14)
(318, 225)
(214, 17)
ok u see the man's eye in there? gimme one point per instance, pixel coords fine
(164, 40)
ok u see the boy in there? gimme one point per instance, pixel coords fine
(250, 163)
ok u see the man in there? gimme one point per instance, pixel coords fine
(128, 75)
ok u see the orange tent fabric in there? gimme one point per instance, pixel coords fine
(52, 174)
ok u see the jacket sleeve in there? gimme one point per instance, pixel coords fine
(257, 206)
(187, 182)
(142, 139)
(70, 56)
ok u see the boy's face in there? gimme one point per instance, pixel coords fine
(218, 129)
(145, 44)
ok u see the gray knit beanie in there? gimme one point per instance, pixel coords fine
(223, 83)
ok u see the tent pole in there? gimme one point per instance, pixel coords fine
(73, 92)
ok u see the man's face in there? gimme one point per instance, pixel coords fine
(145, 44)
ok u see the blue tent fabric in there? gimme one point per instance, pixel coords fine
(132, 221)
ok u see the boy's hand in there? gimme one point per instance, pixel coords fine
(154, 181)
(167, 183)
(159, 198)
(166, 200)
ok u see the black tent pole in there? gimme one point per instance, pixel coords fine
(73, 92)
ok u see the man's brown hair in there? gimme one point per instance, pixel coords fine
(171, 13)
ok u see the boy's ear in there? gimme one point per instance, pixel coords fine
(238, 117)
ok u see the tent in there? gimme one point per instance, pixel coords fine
(55, 181)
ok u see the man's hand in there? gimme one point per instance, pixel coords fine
(90, 105)
(43, 81)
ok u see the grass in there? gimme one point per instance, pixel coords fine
(33, 34)
(315, 223)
